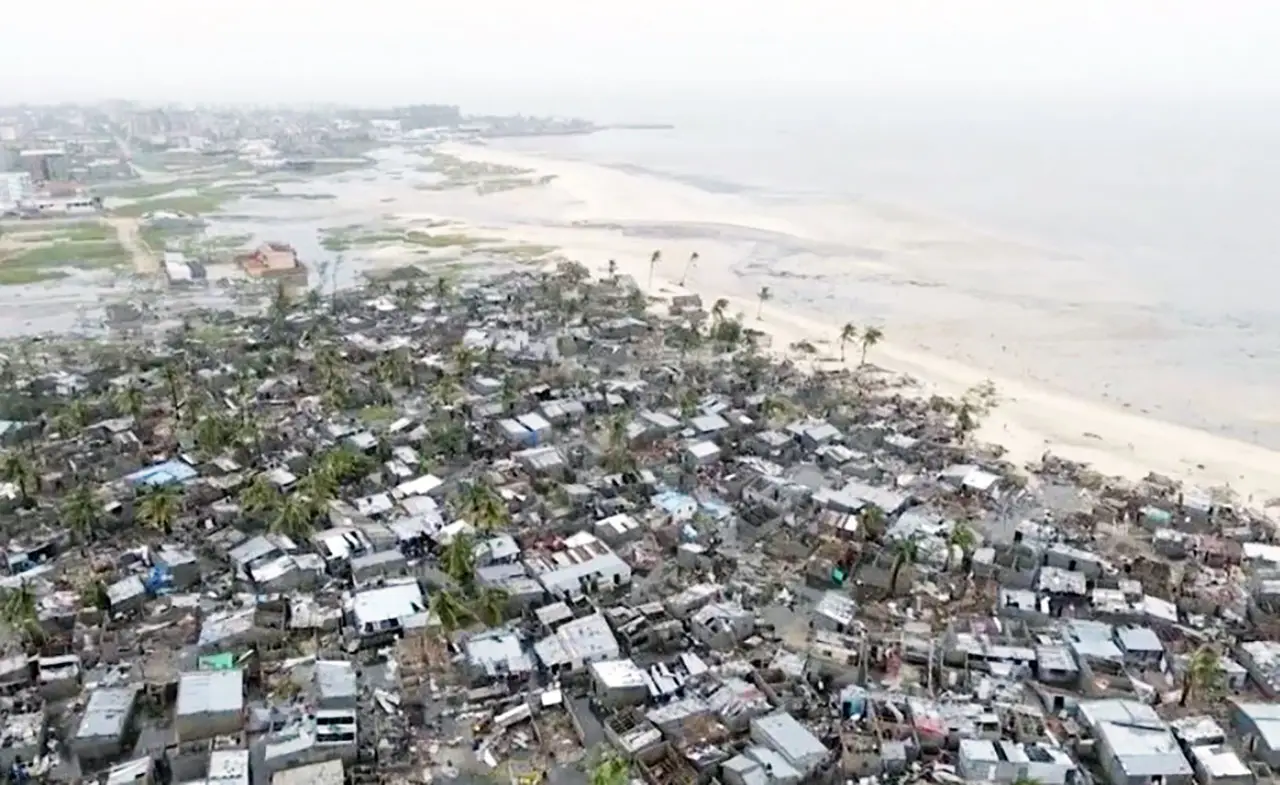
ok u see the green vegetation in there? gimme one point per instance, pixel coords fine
(486, 178)
(345, 238)
(204, 202)
(153, 190)
(523, 251)
(377, 415)
(33, 265)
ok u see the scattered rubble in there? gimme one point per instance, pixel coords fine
(531, 528)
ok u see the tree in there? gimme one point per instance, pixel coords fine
(1023, 779)
(74, 418)
(173, 386)
(490, 605)
(449, 608)
(654, 259)
(848, 334)
(293, 518)
(872, 521)
(483, 505)
(20, 612)
(617, 456)
(1203, 674)
(764, 295)
(718, 310)
(609, 769)
(260, 497)
(459, 560)
(280, 304)
(613, 269)
(129, 401)
(961, 537)
(443, 290)
(689, 265)
(905, 552)
(159, 508)
(976, 403)
(81, 513)
(17, 469)
(870, 337)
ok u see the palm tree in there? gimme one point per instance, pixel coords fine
(870, 337)
(764, 295)
(1203, 674)
(465, 358)
(689, 265)
(872, 522)
(260, 497)
(905, 552)
(173, 386)
(613, 269)
(449, 608)
(446, 390)
(293, 518)
(961, 537)
(490, 605)
(459, 559)
(159, 508)
(483, 506)
(129, 401)
(74, 418)
(654, 258)
(20, 611)
(718, 310)
(617, 456)
(81, 513)
(442, 290)
(848, 334)
(609, 769)
(17, 468)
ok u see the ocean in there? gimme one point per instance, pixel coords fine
(1173, 203)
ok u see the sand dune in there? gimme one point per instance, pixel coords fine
(950, 324)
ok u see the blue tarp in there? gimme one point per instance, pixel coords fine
(167, 473)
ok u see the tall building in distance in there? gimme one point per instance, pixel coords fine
(47, 165)
(15, 188)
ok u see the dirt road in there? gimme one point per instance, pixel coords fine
(145, 261)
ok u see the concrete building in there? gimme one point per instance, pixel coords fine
(577, 643)
(107, 721)
(783, 734)
(270, 259)
(330, 772)
(15, 189)
(619, 683)
(45, 165)
(1135, 746)
(335, 684)
(210, 703)
(1005, 762)
(584, 565)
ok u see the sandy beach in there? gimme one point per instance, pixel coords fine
(949, 325)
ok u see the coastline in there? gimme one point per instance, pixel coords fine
(594, 213)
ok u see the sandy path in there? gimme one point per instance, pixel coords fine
(595, 214)
(145, 261)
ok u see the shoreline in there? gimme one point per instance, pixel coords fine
(590, 224)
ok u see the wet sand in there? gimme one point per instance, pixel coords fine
(949, 325)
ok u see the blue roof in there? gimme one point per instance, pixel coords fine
(167, 473)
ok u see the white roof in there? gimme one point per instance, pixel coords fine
(395, 602)
(618, 674)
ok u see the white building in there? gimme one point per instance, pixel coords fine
(585, 564)
(577, 643)
(15, 188)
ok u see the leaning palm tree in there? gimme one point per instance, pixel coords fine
(261, 497)
(294, 518)
(689, 265)
(848, 334)
(718, 310)
(654, 259)
(20, 612)
(961, 537)
(1203, 674)
(764, 295)
(159, 508)
(129, 400)
(870, 337)
(905, 553)
(81, 513)
(872, 521)
(459, 559)
(18, 469)
(490, 605)
(449, 608)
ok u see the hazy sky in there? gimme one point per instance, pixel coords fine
(500, 54)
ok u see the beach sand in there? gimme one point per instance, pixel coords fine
(954, 306)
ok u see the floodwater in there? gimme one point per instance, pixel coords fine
(76, 305)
